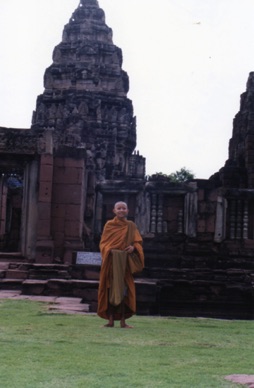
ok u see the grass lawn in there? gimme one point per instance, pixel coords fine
(40, 349)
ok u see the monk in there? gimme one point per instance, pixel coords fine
(122, 256)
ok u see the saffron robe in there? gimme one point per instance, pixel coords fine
(117, 235)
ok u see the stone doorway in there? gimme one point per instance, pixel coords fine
(18, 203)
(11, 194)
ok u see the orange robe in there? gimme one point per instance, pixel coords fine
(115, 236)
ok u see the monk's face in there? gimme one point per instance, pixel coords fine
(121, 210)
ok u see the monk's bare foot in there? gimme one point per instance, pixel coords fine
(110, 322)
(125, 326)
(109, 325)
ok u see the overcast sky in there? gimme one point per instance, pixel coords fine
(188, 62)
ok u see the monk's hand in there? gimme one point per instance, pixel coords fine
(129, 249)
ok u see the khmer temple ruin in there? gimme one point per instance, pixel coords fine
(60, 179)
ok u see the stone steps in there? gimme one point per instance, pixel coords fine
(163, 291)
(11, 257)
(86, 290)
(205, 274)
(59, 280)
(11, 284)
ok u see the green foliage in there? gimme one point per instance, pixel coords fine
(45, 350)
(181, 175)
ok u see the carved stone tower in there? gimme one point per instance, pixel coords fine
(86, 132)
(85, 102)
(239, 168)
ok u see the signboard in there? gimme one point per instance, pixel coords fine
(88, 258)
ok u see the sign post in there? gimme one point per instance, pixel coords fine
(87, 258)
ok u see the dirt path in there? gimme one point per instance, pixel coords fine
(242, 379)
(55, 304)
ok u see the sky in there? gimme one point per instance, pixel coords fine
(188, 62)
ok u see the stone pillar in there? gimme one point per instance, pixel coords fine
(153, 213)
(44, 244)
(180, 222)
(142, 214)
(98, 213)
(190, 213)
(239, 220)
(245, 220)
(220, 223)
(3, 204)
(232, 219)
(160, 214)
(29, 218)
(68, 206)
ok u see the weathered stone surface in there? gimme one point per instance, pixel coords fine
(84, 102)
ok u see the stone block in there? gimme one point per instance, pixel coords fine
(207, 207)
(16, 201)
(11, 284)
(43, 254)
(87, 294)
(251, 180)
(201, 194)
(201, 226)
(73, 212)
(45, 191)
(73, 229)
(70, 246)
(75, 163)
(33, 287)
(58, 238)
(202, 207)
(44, 210)
(59, 162)
(46, 173)
(212, 196)
(67, 194)
(210, 225)
(249, 141)
(43, 228)
(249, 244)
(91, 274)
(58, 210)
(46, 159)
(68, 175)
(16, 274)
(58, 224)
(205, 237)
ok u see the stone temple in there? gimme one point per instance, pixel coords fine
(60, 178)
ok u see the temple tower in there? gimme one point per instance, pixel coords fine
(85, 102)
(86, 133)
(237, 175)
(241, 148)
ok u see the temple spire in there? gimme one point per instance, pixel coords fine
(85, 99)
(90, 3)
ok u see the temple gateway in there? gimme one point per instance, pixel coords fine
(60, 178)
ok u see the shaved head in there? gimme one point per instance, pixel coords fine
(121, 209)
(120, 203)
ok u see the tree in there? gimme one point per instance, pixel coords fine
(182, 175)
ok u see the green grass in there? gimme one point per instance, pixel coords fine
(45, 350)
